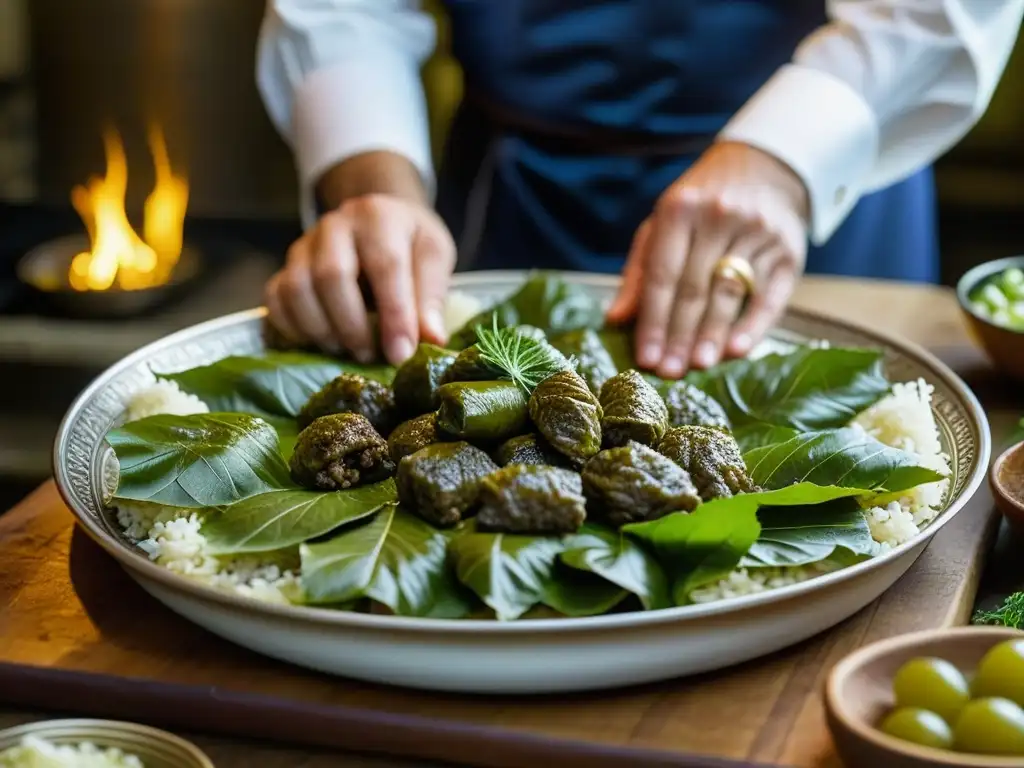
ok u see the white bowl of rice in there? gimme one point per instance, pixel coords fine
(83, 743)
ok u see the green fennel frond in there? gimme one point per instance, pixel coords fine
(1009, 614)
(515, 356)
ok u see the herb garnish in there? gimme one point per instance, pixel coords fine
(517, 357)
(1009, 614)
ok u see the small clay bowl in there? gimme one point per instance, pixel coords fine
(858, 694)
(1004, 346)
(1006, 478)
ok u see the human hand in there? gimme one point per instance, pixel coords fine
(407, 255)
(735, 201)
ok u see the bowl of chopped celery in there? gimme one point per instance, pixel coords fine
(992, 298)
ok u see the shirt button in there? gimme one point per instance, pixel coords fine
(840, 195)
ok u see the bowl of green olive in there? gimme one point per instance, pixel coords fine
(950, 697)
(991, 296)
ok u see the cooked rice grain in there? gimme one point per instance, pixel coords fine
(750, 581)
(891, 525)
(163, 397)
(172, 537)
(904, 419)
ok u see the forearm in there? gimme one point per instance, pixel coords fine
(369, 173)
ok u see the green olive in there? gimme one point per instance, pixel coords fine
(932, 684)
(990, 726)
(919, 726)
(1001, 672)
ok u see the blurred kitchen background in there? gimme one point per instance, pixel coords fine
(163, 91)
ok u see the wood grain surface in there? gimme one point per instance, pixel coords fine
(76, 634)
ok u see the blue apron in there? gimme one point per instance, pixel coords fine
(579, 114)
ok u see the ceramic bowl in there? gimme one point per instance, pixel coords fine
(1006, 478)
(1005, 347)
(858, 694)
(155, 748)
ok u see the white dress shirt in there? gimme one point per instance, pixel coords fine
(879, 92)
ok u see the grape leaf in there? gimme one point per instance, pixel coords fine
(807, 389)
(577, 593)
(202, 460)
(793, 536)
(705, 545)
(274, 384)
(847, 457)
(396, 559)
(278, 519)
(545, 301)
(620, 560)
(510, 573)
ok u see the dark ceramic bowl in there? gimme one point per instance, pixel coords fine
(1005, 347)
(1006, 478)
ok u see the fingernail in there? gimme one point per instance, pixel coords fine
(706, 354)
(671, 367)
(434, 323)
(741, 343)
(363, 355)
(400, 349)
(649, 354)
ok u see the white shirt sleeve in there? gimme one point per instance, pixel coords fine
(879, 92)
(342, 77)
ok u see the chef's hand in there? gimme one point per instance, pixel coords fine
(734, 201)
(407, 256)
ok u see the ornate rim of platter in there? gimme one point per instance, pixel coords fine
(531, 655)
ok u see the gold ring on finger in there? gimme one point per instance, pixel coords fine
(736, 270)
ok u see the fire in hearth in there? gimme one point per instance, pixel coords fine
(118, 256)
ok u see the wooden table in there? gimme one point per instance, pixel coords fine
(788, 729)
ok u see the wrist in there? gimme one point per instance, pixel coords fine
(779, 176)
(371, 173)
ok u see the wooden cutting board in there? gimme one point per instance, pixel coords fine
(77, 634)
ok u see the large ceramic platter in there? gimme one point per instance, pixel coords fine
(526, 656)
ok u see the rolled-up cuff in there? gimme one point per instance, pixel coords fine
(822, 129)
(358, 106)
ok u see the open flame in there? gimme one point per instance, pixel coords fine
(117, 255)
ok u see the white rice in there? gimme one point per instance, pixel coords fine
(163, 396)
(34, 752)
(749, 581)
(172, 537)
(891, 525)
(904, 420)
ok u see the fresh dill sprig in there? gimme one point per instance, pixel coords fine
(518, 357)
(1009, 614)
